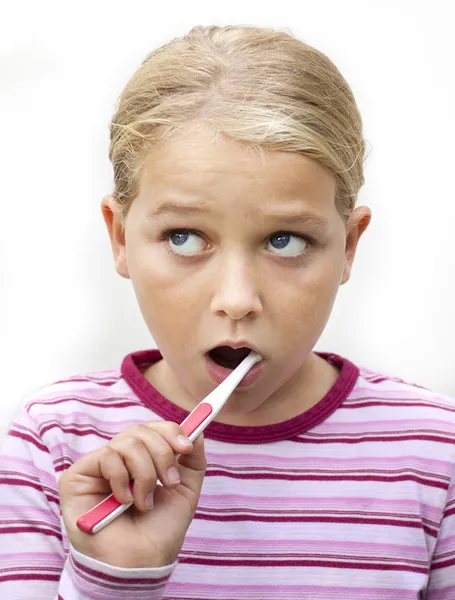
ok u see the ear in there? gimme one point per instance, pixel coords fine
(358, 221)
(113, 218)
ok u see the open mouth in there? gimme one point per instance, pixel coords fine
(228, 357)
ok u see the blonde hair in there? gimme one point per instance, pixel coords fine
(255, 85)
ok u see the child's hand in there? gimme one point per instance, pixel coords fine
(139, 537)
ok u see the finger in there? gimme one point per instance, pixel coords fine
(163, 440)
(193, 466)
(141, 469)
(163, 457)
(172, 433)
(114, 470)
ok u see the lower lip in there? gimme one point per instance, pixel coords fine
(219, 373)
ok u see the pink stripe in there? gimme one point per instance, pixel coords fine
(445, 545)
(26, 468)
(316, 519)
(316, 503)
(24, 529)
(109, 402)
(130, 581)
(16, 510)
(277, 546)
(28, 438)
(80, 419)
(98, 379)
(384, 426)
(65, 451)
(368, 403)
(31, 558)
(448, 593)
(315, 462)
(396, 392)
(411, 437)
(11, 481)
(307, 563)
(188, 590)
(74, 431)
(291, 477)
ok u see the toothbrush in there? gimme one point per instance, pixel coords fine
(110, 508)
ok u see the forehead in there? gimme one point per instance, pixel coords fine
(201, 167)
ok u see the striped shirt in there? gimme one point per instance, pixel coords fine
(352, 499)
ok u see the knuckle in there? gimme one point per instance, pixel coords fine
(109, 449)
(137, 429)
(174, 428)
(164, 454)
(126, 445)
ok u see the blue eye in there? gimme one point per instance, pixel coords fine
(287, 244)
(185, 242)
(178, 238)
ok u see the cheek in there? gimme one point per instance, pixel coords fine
(306, 304)
(168, 299)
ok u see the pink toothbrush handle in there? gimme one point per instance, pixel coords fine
(110, 508)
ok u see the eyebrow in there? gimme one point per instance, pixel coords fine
(184, 210)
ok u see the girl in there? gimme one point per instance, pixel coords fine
(237, 156)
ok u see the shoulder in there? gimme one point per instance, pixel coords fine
(383, 396)
(373, 384)
(81, 412)
(87, 392)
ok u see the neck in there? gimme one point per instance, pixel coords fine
(309, 385)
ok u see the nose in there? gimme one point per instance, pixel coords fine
(236, 290)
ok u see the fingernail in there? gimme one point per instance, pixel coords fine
(149, 500)
(173, 475)
(128, 493)
(183, 440)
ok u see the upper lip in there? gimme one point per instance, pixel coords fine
(237, 344)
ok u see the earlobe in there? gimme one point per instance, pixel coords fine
(358, 222)
(346, 273)
(112, 217)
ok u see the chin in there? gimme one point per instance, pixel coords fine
(238, 407)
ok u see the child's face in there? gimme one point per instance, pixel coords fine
(215, 247)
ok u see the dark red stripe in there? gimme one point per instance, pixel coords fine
(83, 401)
(429, 531)
(30, 577)
(295, 557)
(323, 472)
(113, 579)
(19, 529)
(443, 565)
(448, 513)
(63, 466)
(385, 433)
(33, 569)
(284, 477)
(305, 563)
(28, 438)
(309, 519)
(26, 483)
(410, 438)
(71, 429)
(358, 513)
(108, 383)
(397, 403)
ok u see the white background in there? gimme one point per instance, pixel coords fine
(64, 309)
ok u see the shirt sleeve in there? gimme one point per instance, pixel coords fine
(441, 584)
(34, 564)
